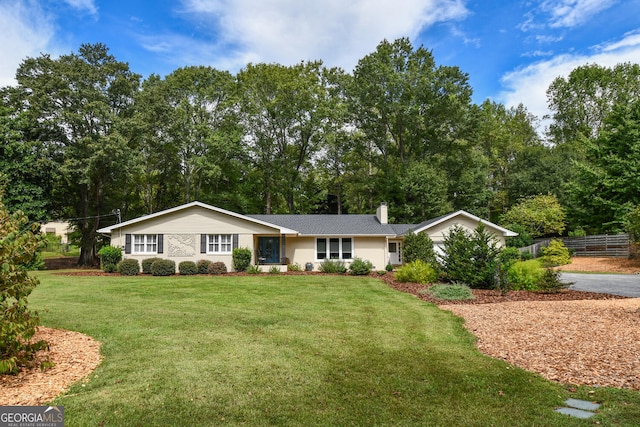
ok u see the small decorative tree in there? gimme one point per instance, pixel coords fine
(419, 247)
(18, 245)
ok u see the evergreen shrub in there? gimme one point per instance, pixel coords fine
(203, 266)
(360, 267)
(187, 268)
(217, 267)
(163, 267)
(241, 259)
(146, 264)
(129, 267)
(333, 266)
(555, 254)
(110, 256)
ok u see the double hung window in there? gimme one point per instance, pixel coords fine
(145, 243)
(219, 243)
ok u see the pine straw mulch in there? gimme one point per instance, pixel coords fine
(571, 337)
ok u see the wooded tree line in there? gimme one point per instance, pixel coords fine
(83, 135)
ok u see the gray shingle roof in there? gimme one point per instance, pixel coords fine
(330, 225)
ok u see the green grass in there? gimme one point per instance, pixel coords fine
(290, 351)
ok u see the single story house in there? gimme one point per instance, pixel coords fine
(195, 231)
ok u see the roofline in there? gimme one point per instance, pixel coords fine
(108, 230)
(505, 232)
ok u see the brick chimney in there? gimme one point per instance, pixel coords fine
(382, 213)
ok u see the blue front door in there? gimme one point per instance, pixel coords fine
(269, 250)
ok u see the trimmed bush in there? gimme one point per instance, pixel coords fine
(389, 267)
(253, 269)
(450, 292)
(555, 254)
(333, 266)
(360, 267)
(163, 267)
(524, 275)
(416, 271)
(129, 267)
(110, 256)
(187, 268)
(419, 247)
(241, 259)
(146, 265)
(217, 267)
(203, 266)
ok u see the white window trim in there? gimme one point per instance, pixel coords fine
(145, 243)
(228, 241)
(328, 248)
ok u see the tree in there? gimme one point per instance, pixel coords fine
(581, 102)
(79, 101)
(285, 113)
(419, 247)
(540, 215)
(607, 186)
(18, 245)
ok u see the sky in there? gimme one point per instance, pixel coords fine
(510, 49)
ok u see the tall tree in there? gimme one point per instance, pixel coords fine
(80, 99)
(411, 110)
(284, 112)
(607, 186)
(581, 101)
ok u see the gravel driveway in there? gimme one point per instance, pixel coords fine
(615, 284)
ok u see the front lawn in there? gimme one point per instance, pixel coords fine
(284, 350)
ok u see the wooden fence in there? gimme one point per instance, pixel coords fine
(602, 245)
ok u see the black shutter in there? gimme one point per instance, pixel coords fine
(160, 243)
(235, 241)
(203, 243)
(127, 243)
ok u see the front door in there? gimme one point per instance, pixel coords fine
(395, 253)
(269, 250)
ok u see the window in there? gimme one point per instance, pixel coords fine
(145, 243)
(219, 243)
(338, 248)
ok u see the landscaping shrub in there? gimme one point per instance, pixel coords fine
(416, 271)
(419, 247)
(187, 268)
(555, 254)
(360, 267)
(294, 267)
(333, 266)
(524, 275)
(163, 267)
(550, 282)
(241, 259)
(389, 267)
(450, 292)
(110, 256)
(253, 269)
(274, 270)
(129, 267)
(146, 265)
(217, 267)
(203, 266)
(470, 258)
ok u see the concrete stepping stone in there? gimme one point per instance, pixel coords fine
(579, 408)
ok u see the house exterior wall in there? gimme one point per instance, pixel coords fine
(181, 232)
(438, 232)
(302, 250)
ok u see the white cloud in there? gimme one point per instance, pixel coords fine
(27, 31)
(338, 32)
(88, 5)
(571, 13)
(529, 85)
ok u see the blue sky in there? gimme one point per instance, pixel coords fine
(512, 50)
